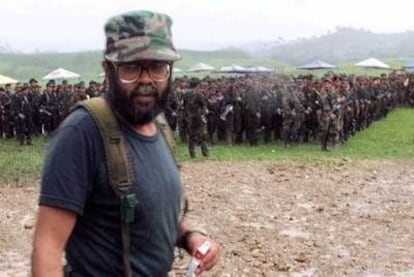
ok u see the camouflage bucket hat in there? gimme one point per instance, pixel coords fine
(139, 35)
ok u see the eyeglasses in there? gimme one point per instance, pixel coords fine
(130, 73)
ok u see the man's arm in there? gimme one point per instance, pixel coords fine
(53, 228)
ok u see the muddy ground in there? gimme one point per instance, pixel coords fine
(341, 218)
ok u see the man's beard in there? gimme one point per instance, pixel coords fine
(125, 104)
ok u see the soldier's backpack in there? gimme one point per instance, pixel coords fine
(119, 164)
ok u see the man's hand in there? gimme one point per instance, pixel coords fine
(195, 240)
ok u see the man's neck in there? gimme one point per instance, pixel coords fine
(148, 129)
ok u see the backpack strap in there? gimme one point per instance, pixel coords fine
(119, 167)
(167, 133)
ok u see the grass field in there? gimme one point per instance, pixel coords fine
(21, 163)
(391, 138)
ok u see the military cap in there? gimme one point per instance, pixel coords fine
(326, 79)
(64, 82)
(139, 35)
(81, 84)
(32, 80)
(25, 85)
(50, 83)
(308, 77)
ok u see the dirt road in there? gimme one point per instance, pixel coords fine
(341, 218)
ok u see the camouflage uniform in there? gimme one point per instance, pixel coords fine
(253, 116)
(291, 117)
(326, 116)
(196, 108)
(3, 101)
(23, 117)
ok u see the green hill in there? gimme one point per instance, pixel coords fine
(25, 66)
(344, 45)
(87, 64)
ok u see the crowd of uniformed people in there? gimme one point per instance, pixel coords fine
(248, 108)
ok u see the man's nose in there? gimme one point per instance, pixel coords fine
(145, 77)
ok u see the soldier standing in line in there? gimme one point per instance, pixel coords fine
(3, 100)
(266, 112)
(9, 97)
(227, 114)
(409, 96)
(277, 118)
(291, 118)
(326, 116)
(46, 106)
(220, 122)
(35, 98)
(212, 116)
(92, 91)
(238, 114)
(310, 106)
(80, 93)
(196, 111)
(65, 98)
(171, 111)
(253, 115)
(179, 94)
(23, 116)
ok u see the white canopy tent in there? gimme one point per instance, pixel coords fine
(373, 63)
(61, 74)
(7, 80)
(317, 64)
(199, 67)
(233, 68)
(258, 69)
(410, 64)
(177, 70)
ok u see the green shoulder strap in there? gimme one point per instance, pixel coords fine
(167, 133)
(119, 167)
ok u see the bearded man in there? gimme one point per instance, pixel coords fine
(79, 212)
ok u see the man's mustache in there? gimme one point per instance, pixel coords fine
(145, 90)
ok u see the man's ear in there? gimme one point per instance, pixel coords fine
(105, 67)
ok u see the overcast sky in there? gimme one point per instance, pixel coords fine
(73, 25)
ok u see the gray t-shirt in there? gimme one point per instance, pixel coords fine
(75, 178)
